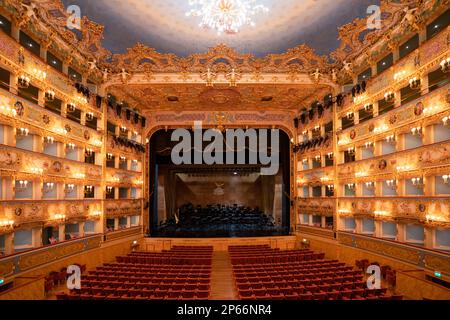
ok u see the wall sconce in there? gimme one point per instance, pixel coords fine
(370, 185)
(79, 175)
(6, 224)
(416, 131)
(89, 152)
(109, 156)
(71, 107)
(23, 81)
(417, 182)
(49, 140)
(39, 74)
(8, 111)
(344, 211)
(305, 161)
(59, 217)
(351, 186)
(317, 158)
(69, 188)
(445, 120)
(23, 184)
(390, 139)
(330, 187)
(135, 133)
(317, 128)
(61, 131)
(414, 83)
(368, 145)
(330, 155)
(96, 214)
(445, 65)
(445, 178)
(37, 170)
(71, 146)
(123, 159)
(49, 95)
(88, 188)
(381, 213)
(350, 115)
(109, 190)
(391, 184)
(368, 107)
(123, 129)
(305, 132)
(351, 150)
(89, 116)
(389, 96)
(433, 218)
(23, 131)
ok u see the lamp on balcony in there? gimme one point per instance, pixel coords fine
(351, 186)
(69, 188)
(49, 140)
(71, 107)
(370, 185)
(390, 139)
(414, 83)
(445, 120)
(389, 96)
(49, 95)
(445, 65)
(368, 107)
(48, 187)
(23, 184)
(446, 177)
(89, 116)
(368, 145)
(417, 182)
(23, 81)
(351, 150)
(391, 184)
(23, 131)
(416, 131)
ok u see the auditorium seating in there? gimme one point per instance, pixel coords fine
(262, 273)
(182, 273)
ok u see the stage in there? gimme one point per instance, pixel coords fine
(219, 244)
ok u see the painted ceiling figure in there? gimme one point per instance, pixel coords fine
(30, 10)
(334, 75)
(410, 19)
(316, 74)
(347, 67)
(105, 74)
(124, 75)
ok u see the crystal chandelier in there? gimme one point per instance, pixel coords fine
(225, 15)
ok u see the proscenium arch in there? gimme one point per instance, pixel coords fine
(289, 193)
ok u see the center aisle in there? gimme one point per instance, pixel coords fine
(222, 284)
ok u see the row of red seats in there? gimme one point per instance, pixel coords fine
(356, 294)
(279, 258)
(164, 260)
(159, 295)
(141, 276)
(314, 278)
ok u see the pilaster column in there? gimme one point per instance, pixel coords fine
(36, 237)
(116, 223)
(61, 232)
(9, 243)
(429, 238)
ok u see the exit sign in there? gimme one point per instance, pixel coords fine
(2, 281)
(437, 274)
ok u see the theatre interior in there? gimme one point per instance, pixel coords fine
(348, 98)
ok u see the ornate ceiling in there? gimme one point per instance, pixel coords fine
(162, 24)
(106, 50)
(180, 97)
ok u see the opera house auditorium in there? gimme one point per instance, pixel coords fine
(224, 150)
